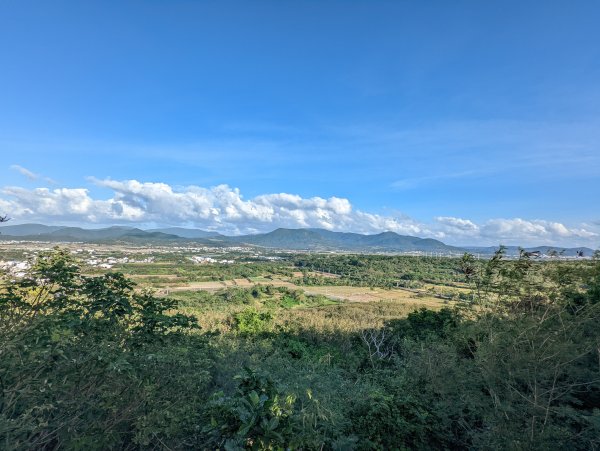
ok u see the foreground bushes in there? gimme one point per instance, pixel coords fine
(91, 363)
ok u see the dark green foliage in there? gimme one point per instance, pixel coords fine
(252, 322)
(264, 295)
(385, 420)
(88, 363)
(95, 363)
(378, 270)
(426, 323)
(152, 323)
(257, 416)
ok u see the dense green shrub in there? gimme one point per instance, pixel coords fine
(256, 416)
(90, 363)
(378, 270)
(425, 323)
(252, 322)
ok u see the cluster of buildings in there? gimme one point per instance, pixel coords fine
(109, 262)
(15, 268)
(208, 260)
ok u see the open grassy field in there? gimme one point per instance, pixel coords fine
(347, 308)
(411, 299)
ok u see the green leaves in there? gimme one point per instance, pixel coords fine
(151, 322)
(257, 416)
(109, 296)
(253, 322)
(74, 370)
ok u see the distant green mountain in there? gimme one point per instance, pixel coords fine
(27, 229)
(116, 233)
(77, 233)
(387, 241)
(320, 239)
(187, 233)
(283, 239)
(293, 239)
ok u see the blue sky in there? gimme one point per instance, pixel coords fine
(420, 114)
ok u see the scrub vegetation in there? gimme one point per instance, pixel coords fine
(508, 357)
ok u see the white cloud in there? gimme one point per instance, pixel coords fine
(224, 209)
(458, 225)
(219, 208)
(516, 231)
(24, 171)
(509, 229)
(31, 175)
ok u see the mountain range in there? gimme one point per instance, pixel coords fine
(324, 240)
(283, 239)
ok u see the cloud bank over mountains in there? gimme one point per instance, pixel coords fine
(224, 209)
(517, 231)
